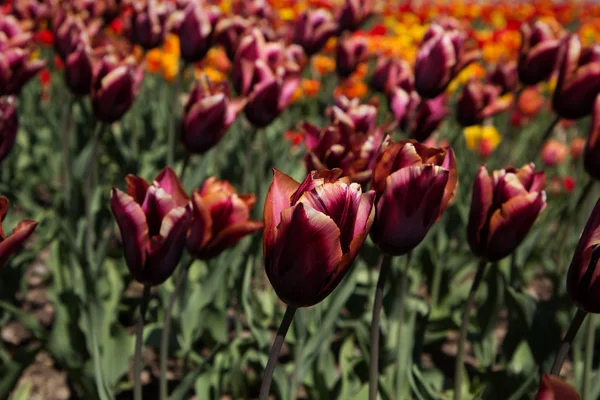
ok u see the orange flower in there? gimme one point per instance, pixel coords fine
(530, 101)
(351, 88)
(577, 146)
(154, 60)
(323, 65)
(310, 87)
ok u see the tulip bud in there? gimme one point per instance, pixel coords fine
(10, 244)
(353, 13)
(196, 30)
(440, 57)
(391, 73)
(207, 115)
(228, 33)
(578, 84)
(504, 206)
(414, 185)
(591, 159)
(78, 70)
(221, 218)
(153, 220)
(539, 53)
(504, 76)
(313, 232)
(9, 125)
(554, 153)
(554, 388)
(114, 87)
(147, 24)
(16, 69)
(477, 102)
(355, 117)
(351, 51)
(313, 28)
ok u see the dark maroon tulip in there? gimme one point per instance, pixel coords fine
(505, 76)
(260, 9)
(31, 10)
(16, 69)
(207, 115)
(350, 52)
(578, 84)
(414, 185)
(402, 104)
(9, 125)
(391, 73)
(353, 13)
(313, 232)
(78, 70)
(10, 244)
(221, 218)
(353, 116)
(228, 33)
(423, 116)
(591, 154)
(196, 29)
(115, 84)
(153, 220)
(479, 101)
(313, 28)
(70, 31)
(12, 33)
(582, 284)
(147, 26)
(504, 206)
(539, 53)
(441, 56)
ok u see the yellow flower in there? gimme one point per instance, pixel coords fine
(287, 14)
(213, 74)
(483, 139)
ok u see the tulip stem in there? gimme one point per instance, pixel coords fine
(565, 346)
(378, 302)
(184, 166)
(139, 342)
(400, 371)
(248, 161)
(590, 336)
(274, 355)
(90, 189)
(584, 194)
(515, 102)
(164, 341)
(547, 134)
(65, 136)
(462, 338)
(173, 106)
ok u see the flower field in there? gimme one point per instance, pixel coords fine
(315, 199)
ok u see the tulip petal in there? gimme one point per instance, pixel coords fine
(10, 244)
(201, 227)
(168, 180)
(278, 199)
(297, 275)
(137, 188)
(134, 229)
(449, 164)
(481, 202)
(3, 211)
(540, 62)
(591, 161)
(554, 388)
(228, 237)
(157, 204)
(509, 225)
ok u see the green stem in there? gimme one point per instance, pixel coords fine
(584, 195)
(65, 139)
(184, 166)
(513, 108)
(164, 342)
(565, 346)
(376, 318)
(462, 338)
(89, 192)
(171, 120)
(400, 371)
(436, 283)
(248, 160)
(274, 355)
(590, 336)
(301, 339)
(139, 342)
(545, 137)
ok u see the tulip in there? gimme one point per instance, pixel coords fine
(12, 33)
(260, 9)
(354, 116)
(423, 116)
(115, 84)
(228, 33)
(477, 102)
(554, 388)
(10, 244)
(414, 185)
(78, 70)
(313, 232)
(440, 57)
(9, 125)
(351, 51)
(554, 153)
(69, 31)
(147, 24)
(353, 13)
(221, 218)
(313, 28)
(504, 206)
(153, 220)
(505, 76)
(207, 115)
(578, 84)
(539, 53)
(391, 73)
(196, 30)
(16, 69)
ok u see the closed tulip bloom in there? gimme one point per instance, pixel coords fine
(355, 117)
(428, 114)
(554, 153)
(313, 28)
(16, 69)
(221, 218)
(591, 153)
(115, 85)
(554, 388)
(391, 73)
(10, 244)
(539, 53)
(78, 70)
(505, 76)
(228, 33)
(351, 51)
(353, 13)
(207, 115)
(479, 101)
(196, 30)
(313, 232)
(153, 220)
(442, 54)
(578, 82)
(414, 185)
(9, 125)
(70, 30)
(504, 206)
(148, 23)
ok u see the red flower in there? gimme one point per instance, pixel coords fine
(569, 183)
(44, 37)
(45, 77)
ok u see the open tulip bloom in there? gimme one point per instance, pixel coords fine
(11, 243)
